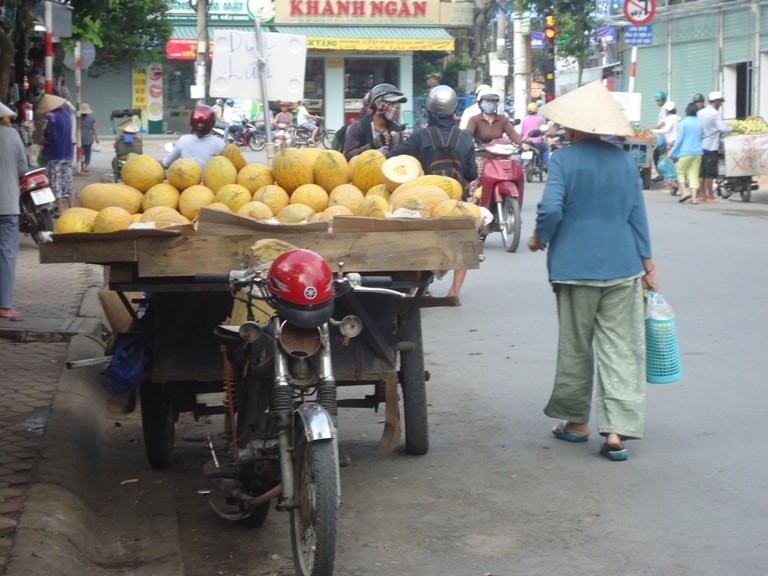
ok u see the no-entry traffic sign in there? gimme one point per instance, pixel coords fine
(639, 12)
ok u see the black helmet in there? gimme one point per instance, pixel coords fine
(442, 100)
(698, 97)
(386, 92)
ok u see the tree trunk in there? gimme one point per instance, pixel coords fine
(7, 52)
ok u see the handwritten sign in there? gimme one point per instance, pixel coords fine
(235, 72)
(746, 155)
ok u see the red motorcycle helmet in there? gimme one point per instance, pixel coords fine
(202, 120)
(301, 284)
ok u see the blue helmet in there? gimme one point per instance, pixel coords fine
(229, 101)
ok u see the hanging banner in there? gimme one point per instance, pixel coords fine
(235, 70)
(140, 89)
(155, 92)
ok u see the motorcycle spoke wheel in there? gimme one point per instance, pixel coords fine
(327, 138)
(256, 141)
(314, 521)
(509, 222)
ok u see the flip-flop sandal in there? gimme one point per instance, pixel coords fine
(614, 454)
(684, 198)
(568, 436)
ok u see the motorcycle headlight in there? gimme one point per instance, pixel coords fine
(299, 342)
(250, 331)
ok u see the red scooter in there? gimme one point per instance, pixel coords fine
(502, 190)
(36, 204)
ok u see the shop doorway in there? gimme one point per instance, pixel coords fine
(362, 74)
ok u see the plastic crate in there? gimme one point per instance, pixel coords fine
(662, 355)
(642, 152)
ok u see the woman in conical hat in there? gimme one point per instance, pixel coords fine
(592, 220)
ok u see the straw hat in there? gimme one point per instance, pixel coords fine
(50, 102)
(85, 109)
(5, 111)
(129, 127)
(590, 109)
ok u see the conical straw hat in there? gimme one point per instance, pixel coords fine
(50, 102)
(5, 111)
(590, 109)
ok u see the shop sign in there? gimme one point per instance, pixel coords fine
(240, 12)
(379, 44)
(356, 12)
(148, 91)
(140, 88)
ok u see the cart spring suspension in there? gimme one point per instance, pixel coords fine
(282, 403)
(231, 390)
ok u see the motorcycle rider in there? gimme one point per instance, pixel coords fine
(473, 110)
(201, 145)
(231, 120)
(441, 106)
(13, 165)
(379, 129)
(533, 121)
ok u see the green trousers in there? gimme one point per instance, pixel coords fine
(602, 325)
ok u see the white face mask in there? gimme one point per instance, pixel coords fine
(489, 107)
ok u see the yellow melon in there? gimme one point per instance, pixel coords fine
(379, 190)
(163, 216)
(219, 171)
(193, 198)
(136, 217)
(332, 211)
(255, 176)
(162, 194)
(330, 169)
(183, 173)
(310, 195)
(400, 169)
(97, 196)
(232, 152)
(414, 204)
(347, 195)
(431, 195)
(111, 219)
(75, 220)
(142, 172)
(448, 184)
(273, 196)
(233, 195)
(256, 210)
(219, 206)
(366, 171)
(291, 169)
(311, 153)
(373, 206)
(453, 207)
(295, 213)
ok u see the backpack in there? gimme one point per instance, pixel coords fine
(338, 138)
(444, 160)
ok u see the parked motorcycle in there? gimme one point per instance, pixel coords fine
(280, 426)
(532, 158)
(36, 204)
(502, 190)
(253, 136)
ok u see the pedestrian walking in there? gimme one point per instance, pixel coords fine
(441, 107)
(88, 133)
(592, 219)
(687, 153)
(13, 165)
(57, 149)
(712, 122)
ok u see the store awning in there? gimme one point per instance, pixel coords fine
(183, 42)
(372, 38)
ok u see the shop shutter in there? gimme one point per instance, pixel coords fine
(738, 38)
(694, 57)
(763, 28)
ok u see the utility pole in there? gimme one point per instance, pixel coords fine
(499, 75)
(521, 62)
(201, 59)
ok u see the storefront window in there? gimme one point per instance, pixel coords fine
(178, 77)
(314, 82)
(360, 75)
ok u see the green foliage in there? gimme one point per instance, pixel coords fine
(574, 25)
(426, 64)
(450, 75)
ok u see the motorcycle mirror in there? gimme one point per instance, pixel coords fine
(534, 133)
(516, 121)
(168, 146)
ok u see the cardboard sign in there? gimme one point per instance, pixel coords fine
(235, 70)
(746, 155)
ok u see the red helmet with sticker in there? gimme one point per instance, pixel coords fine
(202, 119)
(301, 284)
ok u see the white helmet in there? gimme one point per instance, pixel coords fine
(482, 87)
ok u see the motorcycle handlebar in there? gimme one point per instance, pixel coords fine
(210, 278)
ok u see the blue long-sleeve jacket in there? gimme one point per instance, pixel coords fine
(592, 214)
(689, 138)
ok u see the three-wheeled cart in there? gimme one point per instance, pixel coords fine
(161, 265)
(641, 149)
(742, 157)
(125, 144)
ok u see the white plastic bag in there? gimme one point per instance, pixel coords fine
(96, 147)
(658, 308)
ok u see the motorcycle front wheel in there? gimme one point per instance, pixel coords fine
(314, 521)
(327, 138)
(256, 141)
(508, 214)
(528, 169)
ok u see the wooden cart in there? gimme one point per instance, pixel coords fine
(641, 149)
(186, 362)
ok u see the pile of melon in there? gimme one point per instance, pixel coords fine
(303, 185)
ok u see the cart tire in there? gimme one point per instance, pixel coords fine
(413, 386)
(645, 176)
(510, 223)
(673, 187)
(724, 188)
(157, 422)
(745, 188)
(314, 521)
(258, 516)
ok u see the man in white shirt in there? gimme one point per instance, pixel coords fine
(231, 120)
(473, 110)
(303, 120)
(712, 122)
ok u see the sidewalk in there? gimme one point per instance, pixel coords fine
(58, 302)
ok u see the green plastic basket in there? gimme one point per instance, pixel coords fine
(662, 355)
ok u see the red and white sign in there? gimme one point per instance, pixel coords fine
(639, 12)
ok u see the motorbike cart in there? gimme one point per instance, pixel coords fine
(641, 149)
(125, 143)
(739, 161)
